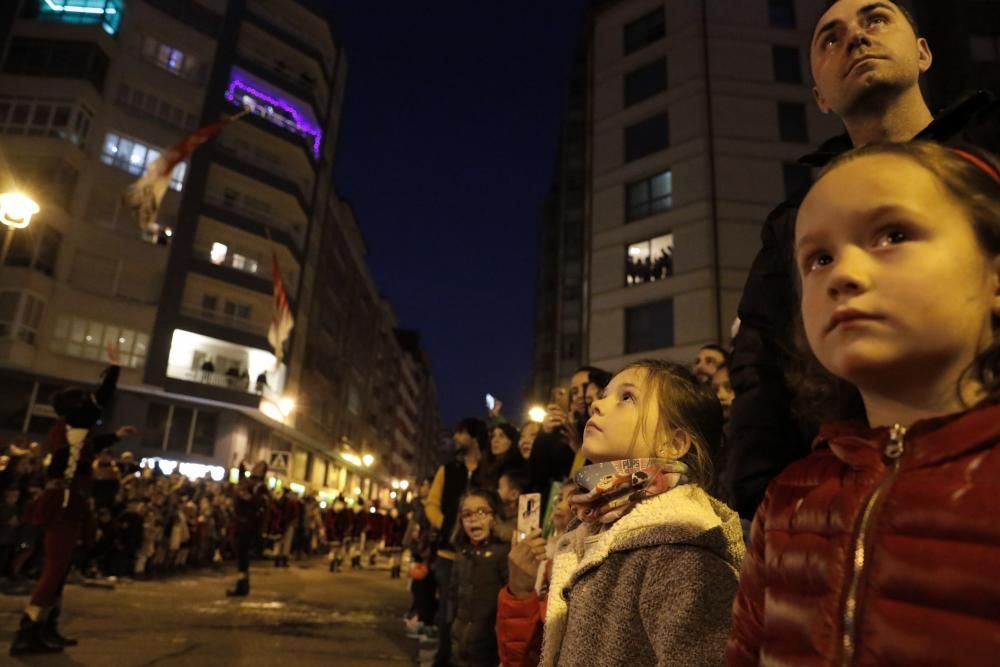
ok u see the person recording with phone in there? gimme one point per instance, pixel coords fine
(557, 444)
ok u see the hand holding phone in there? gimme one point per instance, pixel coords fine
(490, 402)
(529, 513)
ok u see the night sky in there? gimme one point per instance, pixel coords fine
(450, 128)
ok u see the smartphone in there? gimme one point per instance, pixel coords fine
(529, 513)
(560, 396)
(490, 402)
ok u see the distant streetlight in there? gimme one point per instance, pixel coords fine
(16, 211)
(368, 460)
(537, 414)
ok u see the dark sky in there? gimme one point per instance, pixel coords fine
(449, 136)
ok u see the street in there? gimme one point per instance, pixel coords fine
(302, 615)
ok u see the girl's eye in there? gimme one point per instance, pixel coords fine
(817, 260)
(628, 396)
(890, 237)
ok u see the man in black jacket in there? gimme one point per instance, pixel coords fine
(866, 59)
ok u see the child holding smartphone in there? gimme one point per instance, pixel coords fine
(883, 546)
(649, 574)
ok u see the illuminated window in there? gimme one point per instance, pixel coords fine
(106, 13)
(88, 339)
(171, 59)
(133, 156)
(649, 261)
(218, 253)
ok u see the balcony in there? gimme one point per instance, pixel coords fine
(301, 85)
(223, 370)
(273, 23)
(197, 312)
(254, 220)
(273, 111)
(272, 174)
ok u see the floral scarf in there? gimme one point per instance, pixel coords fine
(615, 487)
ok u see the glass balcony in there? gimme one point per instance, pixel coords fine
(219, 363)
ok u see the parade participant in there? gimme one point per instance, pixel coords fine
(338, 527)
(63, 508)
(359, 524)
(395, 530)
(252, 505)
(285, 518)
(649, 574)
(880, 547)
(480, 572)
(866, 60)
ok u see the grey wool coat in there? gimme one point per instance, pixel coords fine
(654, 588)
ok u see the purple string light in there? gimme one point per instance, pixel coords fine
(301, 124)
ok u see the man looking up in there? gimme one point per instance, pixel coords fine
(866, 59)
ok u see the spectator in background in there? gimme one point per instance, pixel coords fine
(513, 483)
(480, 573)
(556, 446)
(723, 390)
(451, 482)
(709, 358)
(501, 456)
(527, 438)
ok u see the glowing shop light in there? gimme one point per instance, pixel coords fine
(322, 504)
(286, 405)
(368, 460)
(392, 495)
(372, 510)
(395, 484)
(351, 458)
(193, 471)
(258, 103)
(404, 485)
(297, 488)
(357, 490)
(537, 414)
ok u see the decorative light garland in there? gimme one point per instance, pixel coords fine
(239, 89)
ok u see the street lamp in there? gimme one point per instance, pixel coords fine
(537, 414)
(16, 211)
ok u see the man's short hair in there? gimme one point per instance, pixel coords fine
(830, 3)
(475, 428)
(898, 5)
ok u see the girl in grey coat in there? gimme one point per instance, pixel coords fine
(649, 575)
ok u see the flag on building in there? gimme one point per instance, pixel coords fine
(144, 196)
(281, 318)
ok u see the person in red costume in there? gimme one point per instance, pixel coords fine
(63, 508)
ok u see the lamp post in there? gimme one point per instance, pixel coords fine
(16, 211)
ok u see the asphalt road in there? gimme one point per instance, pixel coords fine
(299, 616)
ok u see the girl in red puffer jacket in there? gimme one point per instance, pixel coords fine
(883, 546)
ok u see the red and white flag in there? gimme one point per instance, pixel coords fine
(281, 319)
(144, 196)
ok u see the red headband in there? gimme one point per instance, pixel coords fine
(979, 162)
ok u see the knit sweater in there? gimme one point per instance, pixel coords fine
(654, 588)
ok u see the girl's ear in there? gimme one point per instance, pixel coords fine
(678, 444)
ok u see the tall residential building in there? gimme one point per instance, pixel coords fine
(699, 113)
(561, 288)
(964, 36)
(95, 90)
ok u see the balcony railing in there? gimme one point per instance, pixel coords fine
(277, 169)
(207, 315)
(237, 383)
(239, 207)
(296, 83)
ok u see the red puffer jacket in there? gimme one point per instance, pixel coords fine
(880, 548)
(519, 629)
